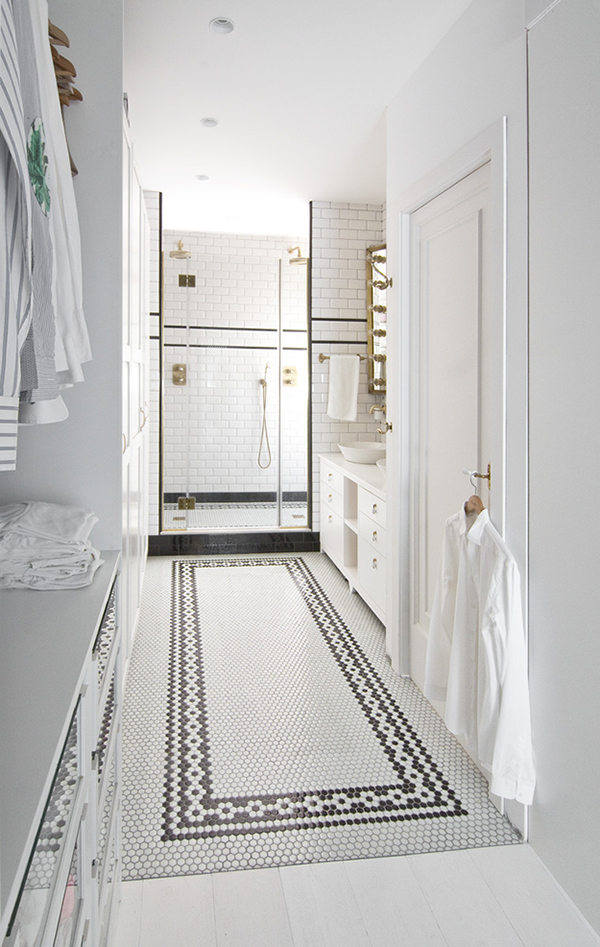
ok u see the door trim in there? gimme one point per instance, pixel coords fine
(490, 145)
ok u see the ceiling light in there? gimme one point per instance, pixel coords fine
(202, 177)
(221, 24)
(209, 122)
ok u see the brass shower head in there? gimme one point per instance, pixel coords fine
(297, 259)
(180, 253)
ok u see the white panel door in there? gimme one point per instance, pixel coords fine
(135, 394)
(455, 344)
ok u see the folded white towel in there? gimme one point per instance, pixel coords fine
(343, 387)
(51, 521)
(43, 564)
(45, 546)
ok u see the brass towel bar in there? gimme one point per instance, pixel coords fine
(363, 358)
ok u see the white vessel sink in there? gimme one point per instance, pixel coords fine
(363, 452)
(381, 464)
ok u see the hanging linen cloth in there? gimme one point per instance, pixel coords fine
(15, 237)
(476, 655)
(38, 370)
(72, 339)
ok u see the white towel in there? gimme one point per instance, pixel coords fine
(343, 387)
(51, 521)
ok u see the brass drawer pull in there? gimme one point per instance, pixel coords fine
(374, 510)
(374, 564)
(374, 535)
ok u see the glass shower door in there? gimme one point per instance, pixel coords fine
(235, 391)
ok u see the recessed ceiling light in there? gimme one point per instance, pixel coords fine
(221, 24)
(202, 177)
(209, 122)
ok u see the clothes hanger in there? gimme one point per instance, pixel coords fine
(57, 35)
(474, 505)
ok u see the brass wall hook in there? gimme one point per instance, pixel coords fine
(485, 476)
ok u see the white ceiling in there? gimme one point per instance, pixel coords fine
(299, 89)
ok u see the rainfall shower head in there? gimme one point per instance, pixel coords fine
(180, 253)
(297, 259)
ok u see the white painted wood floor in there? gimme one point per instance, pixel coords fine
(491, 897)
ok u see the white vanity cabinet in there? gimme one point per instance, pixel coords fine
(60, 700)
(352, 526)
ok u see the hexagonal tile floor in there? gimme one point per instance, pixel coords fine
(263, 726)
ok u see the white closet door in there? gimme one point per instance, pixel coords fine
(456, 389)
(135, 392)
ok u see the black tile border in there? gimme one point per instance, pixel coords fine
(218, 544)
(289, 496)
(192, 811)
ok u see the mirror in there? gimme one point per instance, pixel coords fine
(377, 284)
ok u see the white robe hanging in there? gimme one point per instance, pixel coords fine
(15, 237)
(476, 655)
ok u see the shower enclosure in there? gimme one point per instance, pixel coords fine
(235, 370)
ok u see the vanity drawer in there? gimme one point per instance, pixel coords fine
(332, 478)
(372, 533)
(372, 568)
(331, 501)
(371, 506)
(332, 534)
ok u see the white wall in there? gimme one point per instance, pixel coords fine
(564, 76)
(79, 460)
(476, 76)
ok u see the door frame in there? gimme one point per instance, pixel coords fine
(490, 145)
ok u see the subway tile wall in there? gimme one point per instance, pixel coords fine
(212, 426)
(235, 277)
(341, 234)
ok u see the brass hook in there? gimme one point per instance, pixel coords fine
(484, 476)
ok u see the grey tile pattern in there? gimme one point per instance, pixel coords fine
(263, 726)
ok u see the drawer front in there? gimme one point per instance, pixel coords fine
(372, 533)
(332, 477)
(331, 501)
(372, 568)
(332, 534)
(371, 506)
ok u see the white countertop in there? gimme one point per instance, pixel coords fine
(45, 640)
(365, 475)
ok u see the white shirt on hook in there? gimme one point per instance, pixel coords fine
(476, 654)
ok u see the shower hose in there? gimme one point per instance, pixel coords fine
(264, 434)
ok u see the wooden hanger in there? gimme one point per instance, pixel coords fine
(62, 66)
(474, 505)
(57, 36)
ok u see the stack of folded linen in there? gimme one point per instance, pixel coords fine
(45, 546)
